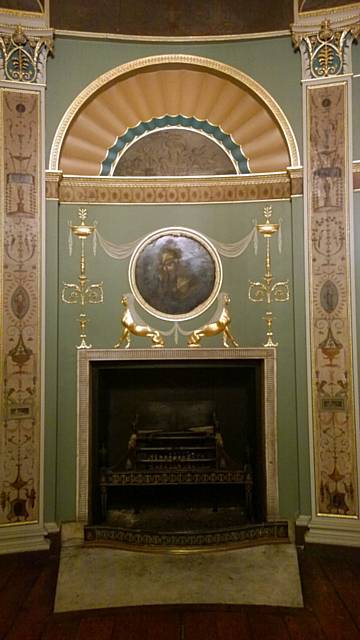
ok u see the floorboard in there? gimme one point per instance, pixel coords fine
(343, 572)
(303, 624)
(323, 599)
(267, 625)
(96, 628)
(17, 589)
(331, 589)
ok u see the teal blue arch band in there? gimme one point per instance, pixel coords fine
(165, 121)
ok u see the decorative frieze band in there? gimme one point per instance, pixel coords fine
(100, 190)
(278, 186)
(20, 280)
(330, 299)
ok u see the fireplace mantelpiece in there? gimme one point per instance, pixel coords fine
(86, 358)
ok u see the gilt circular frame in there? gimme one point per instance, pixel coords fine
(175, 273)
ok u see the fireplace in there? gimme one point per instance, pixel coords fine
(177, 445)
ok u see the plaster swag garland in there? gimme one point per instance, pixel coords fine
(227, 250)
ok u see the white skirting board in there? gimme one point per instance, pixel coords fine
(23, 537)
(336, 531)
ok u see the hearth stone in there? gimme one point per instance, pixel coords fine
(262, 575)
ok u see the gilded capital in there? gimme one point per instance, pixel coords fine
(23, 53)
(325, 47)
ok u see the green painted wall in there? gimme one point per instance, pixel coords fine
(227, 224)
(76, 64)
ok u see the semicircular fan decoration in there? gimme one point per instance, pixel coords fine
(226, 117)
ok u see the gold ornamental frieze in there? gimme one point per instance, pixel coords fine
(187, 190)
(271, 186)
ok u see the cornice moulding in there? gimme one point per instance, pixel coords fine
(31, 30)
(341, 18)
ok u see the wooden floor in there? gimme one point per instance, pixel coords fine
(331, 588)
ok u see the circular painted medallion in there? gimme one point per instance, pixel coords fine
(175, 273)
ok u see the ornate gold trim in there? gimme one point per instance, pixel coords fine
(183, 550)
(296, 175)
(198, 61)
(138, 38)
(86, 356)
(255, 187)
(328, 11)
(52, 184)
(251, 535)
(118, 190)
(31, 29)
(356, 175)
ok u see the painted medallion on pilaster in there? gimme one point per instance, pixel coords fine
(20, 311)
(330, 300)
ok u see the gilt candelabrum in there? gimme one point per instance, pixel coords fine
(267, 290)
(82, 293)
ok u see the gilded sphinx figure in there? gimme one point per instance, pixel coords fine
(130, 327)
(219, 326)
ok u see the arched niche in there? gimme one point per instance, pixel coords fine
(187, 93)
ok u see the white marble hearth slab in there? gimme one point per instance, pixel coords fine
(94, 578)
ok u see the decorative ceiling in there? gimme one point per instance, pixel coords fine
(170, 18)
(181, 92)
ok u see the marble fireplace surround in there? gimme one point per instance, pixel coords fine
(86, 357)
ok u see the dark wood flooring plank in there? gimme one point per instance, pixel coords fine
(128, 626)
(302, 625)
(32, 616)
(267, 626)
(8, 565)
(321, 597)
(345, 582)
(142, 624)
(162, 625)
(201, 625)
(17, 589)
(96, 628)
(217, 624)
(62, 628)
(233, 625)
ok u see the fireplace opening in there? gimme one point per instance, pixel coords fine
(176, 447)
